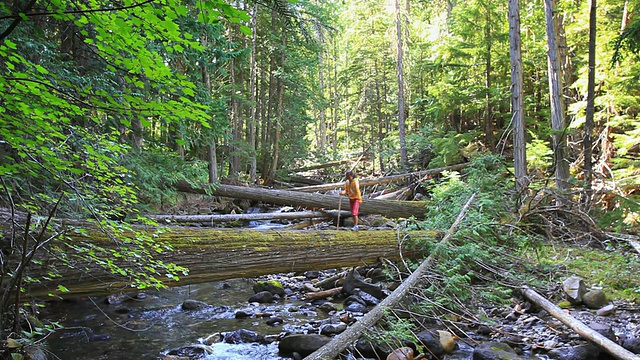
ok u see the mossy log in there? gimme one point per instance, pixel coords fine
(388, 208)
(219, 254)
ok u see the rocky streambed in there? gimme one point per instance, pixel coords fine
(287, 316)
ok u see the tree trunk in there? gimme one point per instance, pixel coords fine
(401, 117)
(583, 330)
(349, 336)
(517, 98)
(588, 126)
(389, 208)
(252, 89)
(214, 254)
(488, 113)
(557, 104)
(213, 162)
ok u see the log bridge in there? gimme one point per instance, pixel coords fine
(219, 254)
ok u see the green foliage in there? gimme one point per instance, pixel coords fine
(539, 156)
(628, 41)
(157, 170)
(615, 270)
(446, 148)
(477, 238)
(77, 84)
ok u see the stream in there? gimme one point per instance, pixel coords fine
(149, 325)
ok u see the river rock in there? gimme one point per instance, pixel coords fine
(275, 321)
(194, 305)
(366, 297)
(119, 298)
(243, 313)
(594, 299)
(604, 330)
(354, 281)
(574, 288)
(333, 328)
(431, 341)
(353, 299)
(631, 343)
(495, 351)
(273, 286)
(447, 340)
(241, 336)
(328, 307)
(262, 297)
(303, 344)
(356, 307)
(581, 352)
(403, 353)
(606, 310)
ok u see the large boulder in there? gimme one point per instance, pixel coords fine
(273, 286)
(262, 297)
(574, 289)
(594, 299)
(581, 352)
(302, 344)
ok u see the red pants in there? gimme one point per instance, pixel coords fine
(355, 206)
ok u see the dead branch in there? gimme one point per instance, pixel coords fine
(583, 330)
(332, 349)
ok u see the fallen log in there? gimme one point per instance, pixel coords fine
(323, 294)
(381, 180)
(213, 218)
(389, 208)
(583, 330)
(401, 194)
(333, 349)
(218, 254)
(326, 165)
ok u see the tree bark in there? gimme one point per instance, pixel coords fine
(401, 115)
(340, 342)
(591, 86)
(517, 98)
(558, 123)
(583, 330)
(215, 254)
(323, 294)
(389, 208)
(252, 96)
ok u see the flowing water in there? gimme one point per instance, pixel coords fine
(146, 328)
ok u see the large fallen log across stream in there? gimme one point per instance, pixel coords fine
(219, 254)
(388, 208)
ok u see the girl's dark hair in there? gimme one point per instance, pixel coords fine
(350, 173)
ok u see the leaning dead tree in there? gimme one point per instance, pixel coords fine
(583, 330)
(389, 208)
(382, 180)
(333, 349)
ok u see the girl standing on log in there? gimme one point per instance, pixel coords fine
(352, 188)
